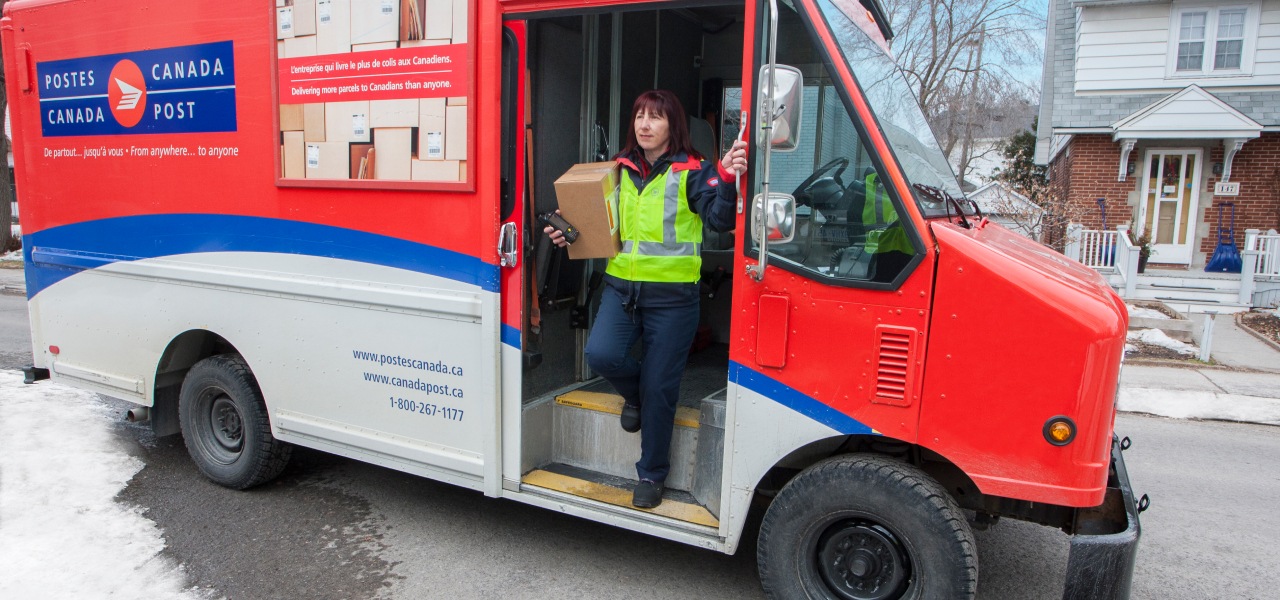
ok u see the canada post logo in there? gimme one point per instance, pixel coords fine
(184, 89)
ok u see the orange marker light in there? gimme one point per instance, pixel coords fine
(1059, 431)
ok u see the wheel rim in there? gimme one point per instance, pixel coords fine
(862, 560)
(228, 426)
(219, 430)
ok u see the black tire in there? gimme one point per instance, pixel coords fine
(225, 425)
(864, 527)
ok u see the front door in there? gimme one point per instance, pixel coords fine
(1170, 196)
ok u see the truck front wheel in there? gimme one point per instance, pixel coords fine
(225, 425)
(864, 527)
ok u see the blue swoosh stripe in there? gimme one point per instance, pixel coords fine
(795, 400)
(57, 253)
(511, 336)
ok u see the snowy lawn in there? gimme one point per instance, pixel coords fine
(15, 256)
(62, 535)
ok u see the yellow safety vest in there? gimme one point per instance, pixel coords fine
(877, 212)
(661, 237)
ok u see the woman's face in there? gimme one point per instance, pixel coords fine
(652, 132)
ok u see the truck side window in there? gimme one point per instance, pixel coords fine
(848, 226)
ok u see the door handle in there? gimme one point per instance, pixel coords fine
(507, 250)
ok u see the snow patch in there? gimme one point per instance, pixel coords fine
(1144, 312)
(64, 535)
(1157, 337)
(15, 256)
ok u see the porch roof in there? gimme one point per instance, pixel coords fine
(1190, 113)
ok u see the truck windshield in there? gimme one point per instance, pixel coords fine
(893, 103)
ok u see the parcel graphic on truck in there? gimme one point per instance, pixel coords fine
(320, 224)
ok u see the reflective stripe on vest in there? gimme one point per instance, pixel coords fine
(877, 213)
(661, 237)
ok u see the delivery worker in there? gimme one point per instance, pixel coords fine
(667, 191)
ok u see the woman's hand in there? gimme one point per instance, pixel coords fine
(557, 236)
(735, 160)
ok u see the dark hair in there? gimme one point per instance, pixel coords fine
(664, 103)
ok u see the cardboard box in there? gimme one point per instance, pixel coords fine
(439, 19)
(313, 121)
(333, 26)
(280, 49)
(373, 46)
(431, 125)
(456, 101)
(375, 21)
(462, 170)
(461, 13)
(346, 121)
(394, 113)
(424, 43)
(362, 165)
(295, 155)
(395, 151)
(304, 17)
(412, 23)
(435, 170)
(284, 22)
(588, 198)
(300, 46)
(328, 160)
(292, 117)
(455, 132)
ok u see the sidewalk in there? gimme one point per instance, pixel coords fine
(12, 281)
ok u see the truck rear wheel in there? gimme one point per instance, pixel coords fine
(866, 527)
(225, 424)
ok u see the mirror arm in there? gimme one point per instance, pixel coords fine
(757, 271)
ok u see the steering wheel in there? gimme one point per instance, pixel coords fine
(838, 164)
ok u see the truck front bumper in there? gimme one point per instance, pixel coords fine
(1105, 545)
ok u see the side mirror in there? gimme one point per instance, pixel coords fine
(778, 217)
(788, 96)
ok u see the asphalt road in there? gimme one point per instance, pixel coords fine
(335, 528)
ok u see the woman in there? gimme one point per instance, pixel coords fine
(667, 191)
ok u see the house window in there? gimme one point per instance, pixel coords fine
(1213, 40)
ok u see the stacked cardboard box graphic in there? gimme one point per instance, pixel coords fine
(420, 139)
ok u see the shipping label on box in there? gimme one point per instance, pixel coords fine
(431, 129)
(284, 22)
(375, 21)
(588, 198)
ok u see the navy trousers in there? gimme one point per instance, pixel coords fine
(653, 382)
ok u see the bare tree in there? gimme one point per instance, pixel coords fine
(963, 58)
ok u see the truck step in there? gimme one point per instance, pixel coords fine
(587, 435)
(617, 492)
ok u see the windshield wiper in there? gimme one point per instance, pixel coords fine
(938, 194)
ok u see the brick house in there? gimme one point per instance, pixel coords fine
(1151, 105)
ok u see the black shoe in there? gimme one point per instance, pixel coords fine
(630, 418)
(648, 494)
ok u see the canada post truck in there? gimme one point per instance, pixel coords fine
(314, 223)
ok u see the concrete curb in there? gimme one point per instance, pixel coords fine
(1249, 330)
(1197, 404)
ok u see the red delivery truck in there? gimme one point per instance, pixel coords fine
(315, 224)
